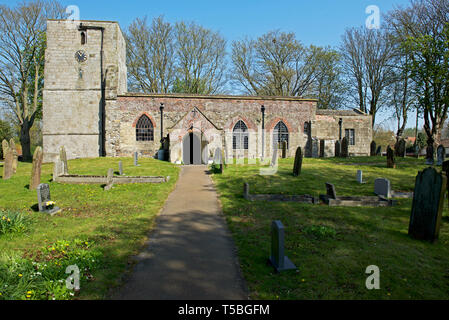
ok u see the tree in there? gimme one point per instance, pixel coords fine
(423, 30)
(150, 55)
(200, 59)
(366, 60)
(22, 55)
(276, 64)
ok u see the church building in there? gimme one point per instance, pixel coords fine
(87, 109)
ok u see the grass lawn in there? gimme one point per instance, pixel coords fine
(97, 230)
(333, 246)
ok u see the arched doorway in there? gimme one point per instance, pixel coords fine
(191, 147)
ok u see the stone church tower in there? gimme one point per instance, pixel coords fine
(85, 70)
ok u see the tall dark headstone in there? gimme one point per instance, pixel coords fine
(344, 148)
(390, 158)
(246, 190)
(441, 152)
(427, 206)
(322, 147)
(278, 258)
(379, 151)
(373, 148)
(400, 148)
(43, 199)
(337, 149)
(330, 191)
(298, 162)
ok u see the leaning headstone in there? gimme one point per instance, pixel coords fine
(12, 146)
(246, 190)
(63, 159)
(36, 168)
(379, 151)
(284, 149)
(382, 187)
(427, 206)
(373, 148)
(330, 191)
(298, 162)
(274, 159)
(360, 176)
(344, 148)
(120, 168)
(429, 155)
(109, 180)
(5, 146)
(8, 162)
(278, 258)
(136, 158)
(390, 158)
(44, 200)
(337, 149)
(440, 155)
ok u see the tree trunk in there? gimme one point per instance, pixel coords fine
(25, 141)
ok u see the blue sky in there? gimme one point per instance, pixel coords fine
(318, 22)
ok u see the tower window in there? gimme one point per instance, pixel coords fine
(144, 129)
(280, 134)
(240, 136)
(83, 38)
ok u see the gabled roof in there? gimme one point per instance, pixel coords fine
(188, 112)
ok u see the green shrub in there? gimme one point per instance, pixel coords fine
(320, 232)
(12, 222)
(43, 276)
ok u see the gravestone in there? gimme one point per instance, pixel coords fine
(360, 176)
(298, 162)
(120, 168)
(400, 148)
(136, 159)
(322, 148)
(12, 146)
(278, 258)
(109, 180)
(246, 191)
(8, 162)
(217, 159)
(429, 155)
(63, 159)
(284, 149)
(36, 168)
(344, 148)
(390, 158)
(5, 146)
(441, 152)
(445, 170)
(382, 187)
(315, 148)
(337, 149)
(379, 151)
(274, 159)
(373, 148)
(43, 197)
(427, 206)
(330, 191)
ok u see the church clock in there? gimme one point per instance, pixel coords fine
(80, 56)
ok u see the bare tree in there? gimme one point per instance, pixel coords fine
(22, 48)
(275, 64)
(367, 55)
(150, 55)
(200, 60)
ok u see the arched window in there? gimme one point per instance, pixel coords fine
(144, 129)
(83, 38)
(306, 127)
(280, 134)
(240, 136)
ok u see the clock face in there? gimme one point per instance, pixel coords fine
(80, 56)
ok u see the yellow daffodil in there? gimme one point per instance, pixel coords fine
(29, 292)
(20, 275)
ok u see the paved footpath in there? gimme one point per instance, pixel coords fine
(190, 254)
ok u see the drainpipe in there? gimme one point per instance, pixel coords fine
(262, 109)
(162, 121)
(339, 123)
(103, 89)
